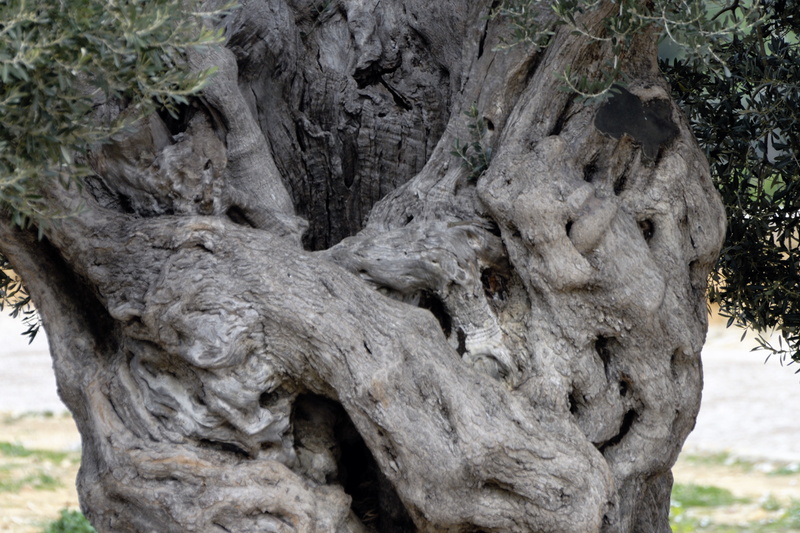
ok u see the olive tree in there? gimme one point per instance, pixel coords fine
(322, 297)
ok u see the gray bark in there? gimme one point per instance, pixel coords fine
(244, 351)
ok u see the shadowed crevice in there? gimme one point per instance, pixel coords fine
(627, 422)
(325, 433)
(430, 301)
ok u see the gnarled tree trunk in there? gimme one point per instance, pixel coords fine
(293, 309)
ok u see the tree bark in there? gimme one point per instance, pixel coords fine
(244, 350)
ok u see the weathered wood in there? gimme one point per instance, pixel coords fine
(516, 353)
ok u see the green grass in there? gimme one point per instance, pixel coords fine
(37, 481)
(719, 459)
(685, 497)
(789, 469)
(70, 522)
(689, 502)
(770, 468)
(690, 495)
(770, 503)
(683, 522)
(15, 450)
(36, 465)
(790, 519)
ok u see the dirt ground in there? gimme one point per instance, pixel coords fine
(755, 481)
(35, 487)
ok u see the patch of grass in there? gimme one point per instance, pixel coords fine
(686, 520)
(719, 459)
(790, 519)
(682, 522)
(36, 481)
(15, 450)
(789, 469)
(14, 418)
(70, 522)
(42, 481)
(770, 503)
(691, 495)
(770, 468)
(23, 468)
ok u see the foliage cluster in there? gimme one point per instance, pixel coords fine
(748, 122)
(14, 295)
(474, 155)
(697, 26)
(59, 61)
(72, 75)
(71, 521)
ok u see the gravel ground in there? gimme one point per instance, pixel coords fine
(747, 407)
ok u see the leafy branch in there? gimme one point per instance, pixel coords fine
(747, 121)
(14, 295)
(474, 155)
(59, 67)
(696, 26)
